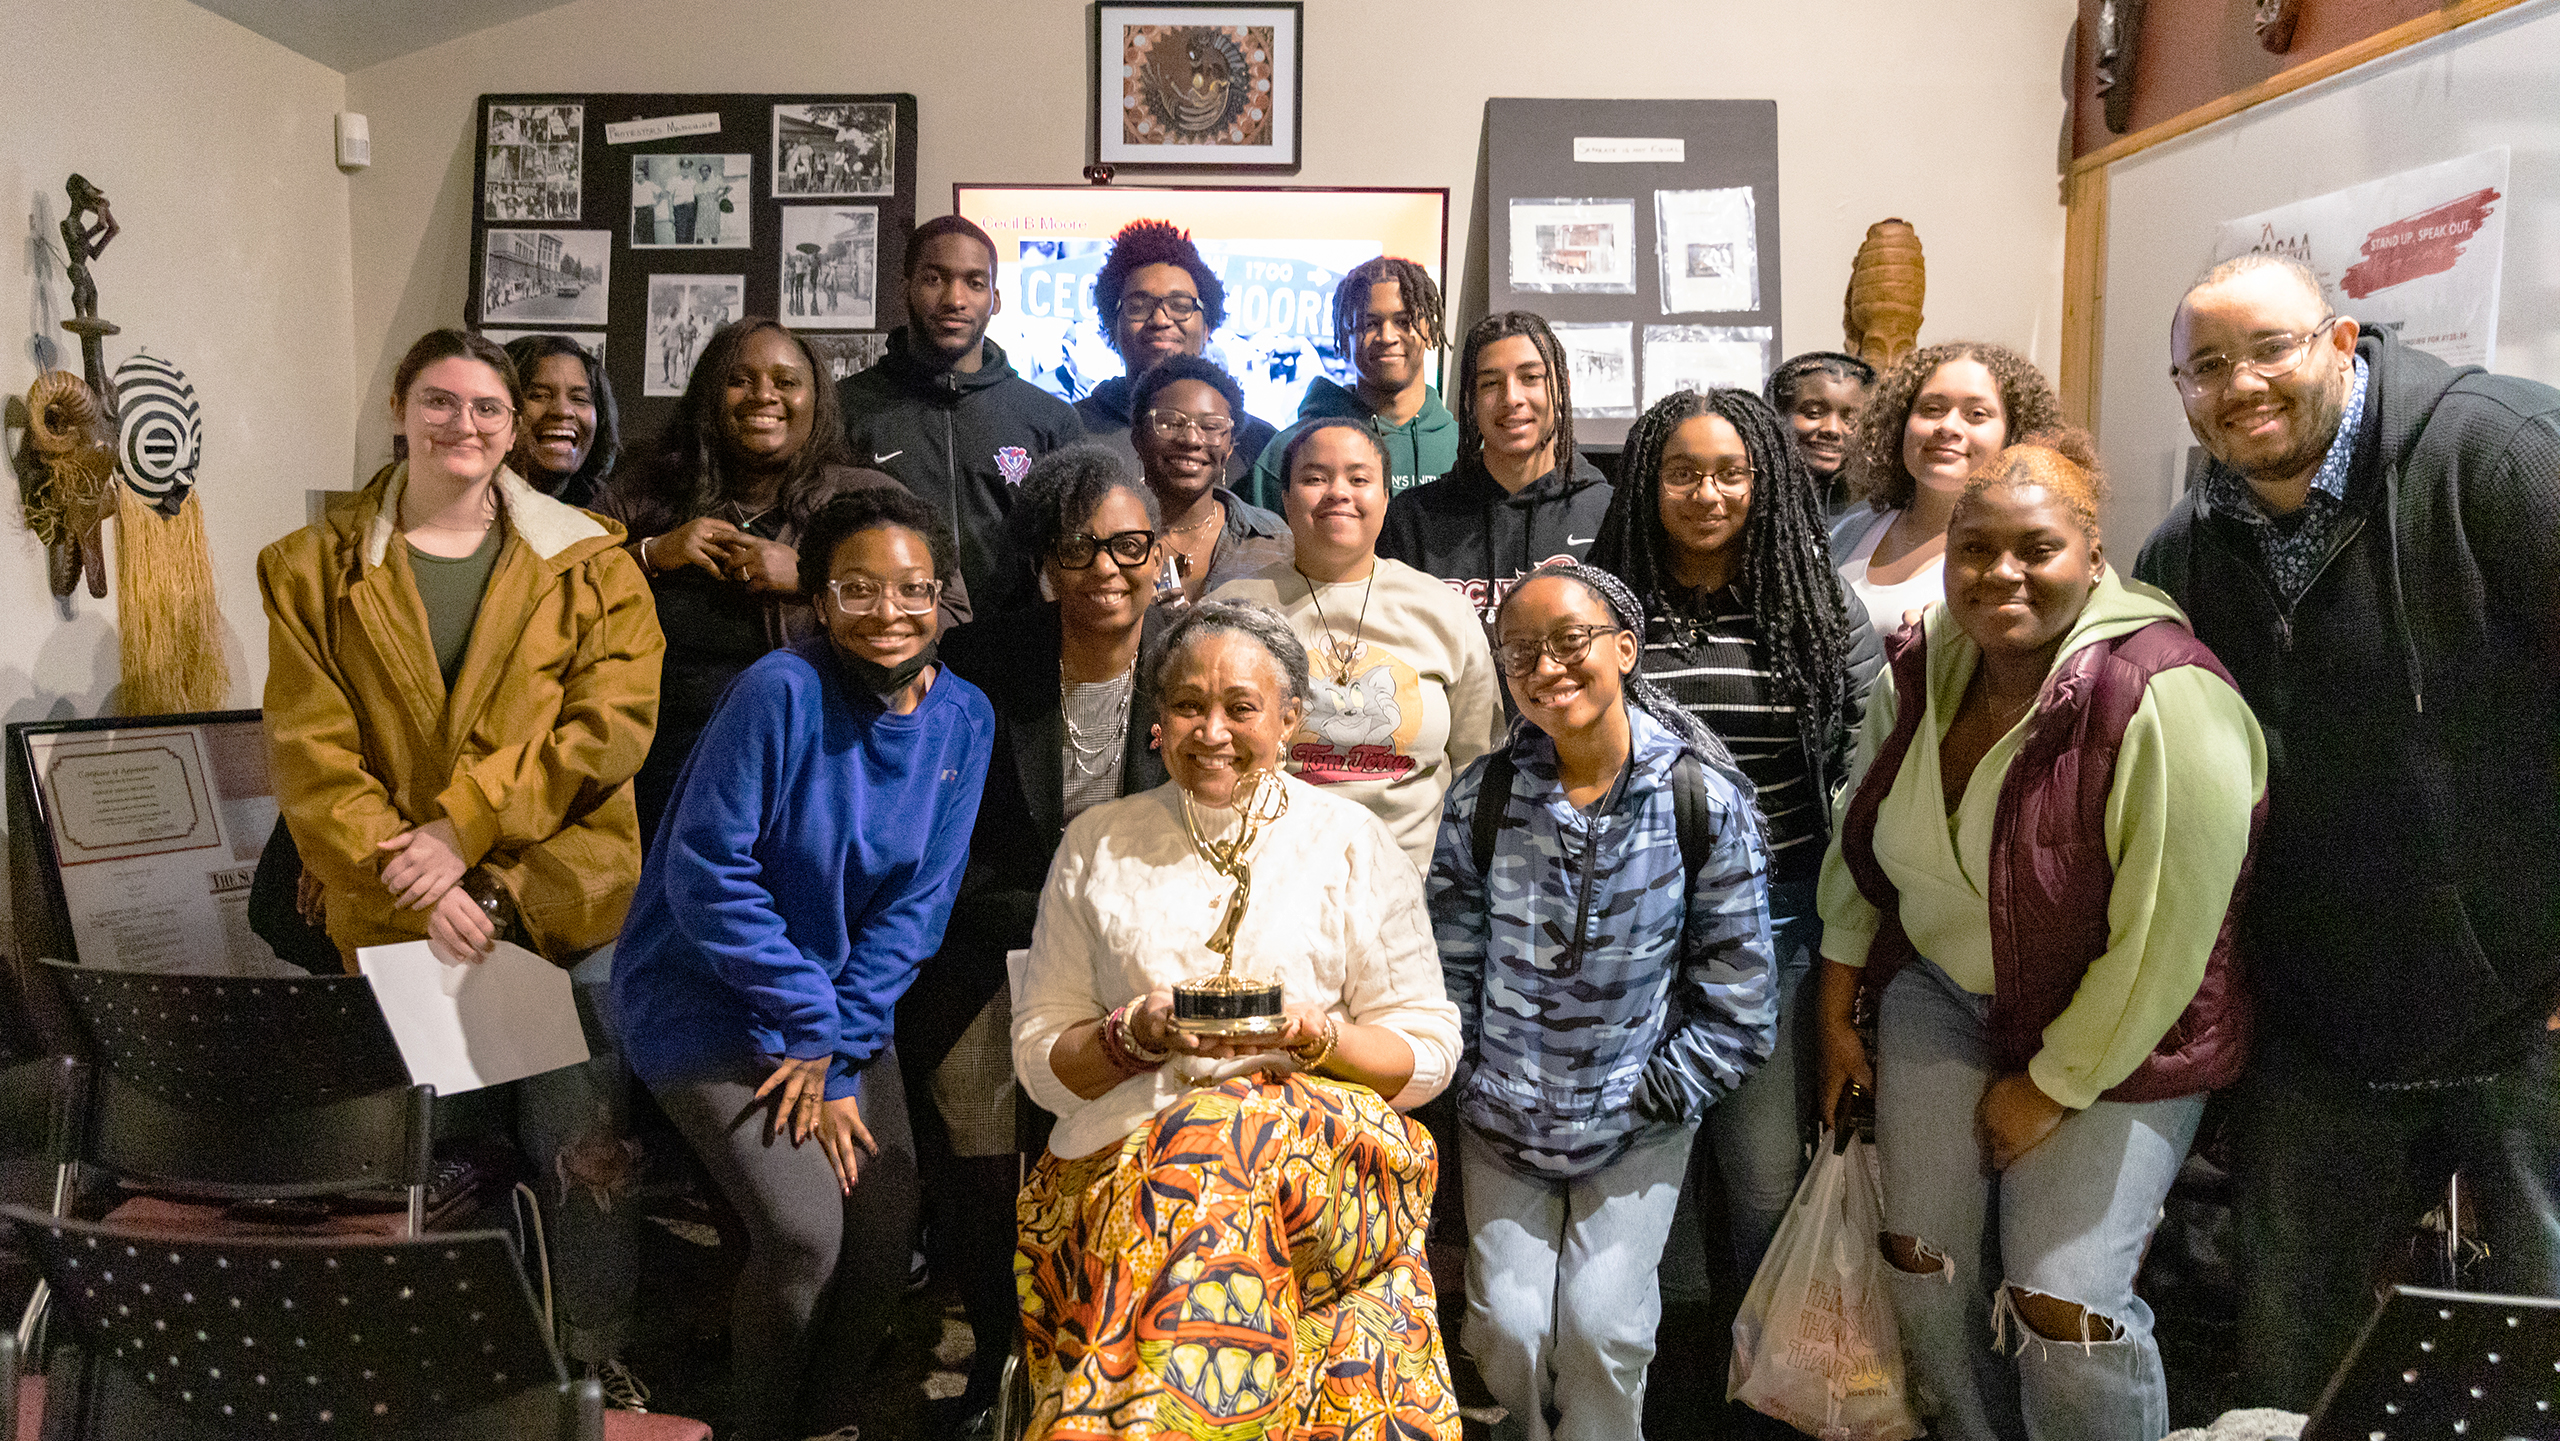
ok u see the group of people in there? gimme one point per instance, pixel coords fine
(877, 755)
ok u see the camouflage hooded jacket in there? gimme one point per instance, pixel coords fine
(1593, 999)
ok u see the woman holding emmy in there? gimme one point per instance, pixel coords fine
(1230, 993)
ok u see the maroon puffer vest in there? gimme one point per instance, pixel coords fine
(2050, 876)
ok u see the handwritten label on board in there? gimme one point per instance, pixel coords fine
(629, 132)
(1629, 150)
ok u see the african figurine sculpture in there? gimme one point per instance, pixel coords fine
(1880, 321)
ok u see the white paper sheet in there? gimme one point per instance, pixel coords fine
(1702, 357)
(1709, 249)
(464, 1027)
(1603, 356)
(1574, 247)
(2416, 253)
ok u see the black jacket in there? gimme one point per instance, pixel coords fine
(962, 441)
(1466, 530)
(1021, 819)
(2404, 918)
(1104, 412)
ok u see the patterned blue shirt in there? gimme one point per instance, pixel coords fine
(2294, 544)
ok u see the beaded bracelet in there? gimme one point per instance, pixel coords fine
(1332, 1033)
(1120, 1045)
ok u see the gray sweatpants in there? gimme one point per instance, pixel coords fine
(824, 1270)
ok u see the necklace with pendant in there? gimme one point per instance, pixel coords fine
(1344, 655)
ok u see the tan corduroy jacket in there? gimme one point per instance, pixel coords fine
(531, 757)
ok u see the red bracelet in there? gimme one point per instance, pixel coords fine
(1120, 1045)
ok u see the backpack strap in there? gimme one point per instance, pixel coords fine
(1691, 818)
(1493, 797)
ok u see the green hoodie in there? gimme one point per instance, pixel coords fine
(1423, 448)
(2192, 766)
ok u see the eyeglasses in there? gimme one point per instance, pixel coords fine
(1077, 549)
(2273, 358)
(1686, 479)
(488, 414)
(1136, 308)
(1568, 644)
(1175, 424)
(864, 596)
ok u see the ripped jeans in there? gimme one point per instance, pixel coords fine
(2068, 1221)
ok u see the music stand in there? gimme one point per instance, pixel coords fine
(2445, 1364)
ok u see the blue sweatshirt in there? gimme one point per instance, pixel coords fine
(802, 873)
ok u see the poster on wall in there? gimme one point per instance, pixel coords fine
(683, 311)
(1601, 355)
(690, 200)
(1708, 244)
(830, 266)
(1702, 357)
(533, 162)
(827, 151)
(2417, 253)
(1574, 247)
(535, 277)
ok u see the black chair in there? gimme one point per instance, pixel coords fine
(2447, 1364)
(242, 1089)
(174, 1338)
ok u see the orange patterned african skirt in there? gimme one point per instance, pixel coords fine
(1250, 1264)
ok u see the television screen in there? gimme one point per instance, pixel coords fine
(1278, 251)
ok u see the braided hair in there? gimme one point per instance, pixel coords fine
(1790, 377)
(1502, 325)
(1412, 282)
(1640, 692)
(1785, 574)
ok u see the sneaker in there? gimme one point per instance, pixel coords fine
(622, 1389)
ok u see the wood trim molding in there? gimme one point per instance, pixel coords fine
(2084, 293)
(2311, 72)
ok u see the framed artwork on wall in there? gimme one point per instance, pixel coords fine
(1198, 85)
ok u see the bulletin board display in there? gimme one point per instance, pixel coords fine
(1645, 232)
(642, 223)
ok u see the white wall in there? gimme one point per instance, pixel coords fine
(214, 147)
(2486, 84)
(1945, 112)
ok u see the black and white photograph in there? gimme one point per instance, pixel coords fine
(683, 311)
(830, 264)
(822, 151)
(593, 341)
(690, 202)
(535, 153)
(1602, 355)
(849, 354)
(545, 277)
(1574, 247)
(1702, 357)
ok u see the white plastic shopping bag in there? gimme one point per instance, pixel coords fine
(1815, 1344)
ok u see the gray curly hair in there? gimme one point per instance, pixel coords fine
(1258, 623)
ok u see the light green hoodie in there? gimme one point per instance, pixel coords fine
(2191, 769)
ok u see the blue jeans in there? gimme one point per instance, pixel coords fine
(1561, 1293)
(1757, 1133)
(2067, 1221)
(2334, 1173)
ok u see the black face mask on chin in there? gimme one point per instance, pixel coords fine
(885, 681)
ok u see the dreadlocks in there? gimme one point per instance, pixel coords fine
(1502, 325)
(1785, 575)
(1421, 301)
